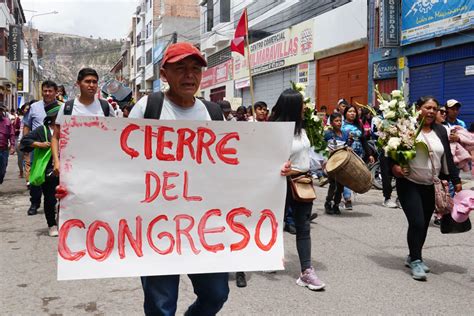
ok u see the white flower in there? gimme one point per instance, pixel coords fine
(302, 93)
(315, 117)
(392, 104)
(389, 115)
(402, 104)
(384, 105)
(393, 143)
(396, 93)
(300, 86)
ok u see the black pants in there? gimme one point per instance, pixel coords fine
(301, 214)
(49, 190)
(386, 176)
(334, 192)
(418, 204)
(35, 195)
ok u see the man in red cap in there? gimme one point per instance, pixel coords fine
(181, 67)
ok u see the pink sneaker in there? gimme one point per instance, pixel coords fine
(310, 280)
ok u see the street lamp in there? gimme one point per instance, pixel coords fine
(46, 13)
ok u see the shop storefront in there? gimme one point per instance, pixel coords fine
(216, 83)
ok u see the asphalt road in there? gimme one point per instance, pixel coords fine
(359, 255)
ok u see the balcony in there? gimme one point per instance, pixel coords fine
(7, 71)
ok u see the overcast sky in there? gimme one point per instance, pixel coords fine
(100, 18)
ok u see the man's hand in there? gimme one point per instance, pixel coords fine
(12, 150)
(371, 159)
(43, 145)
(61, 192)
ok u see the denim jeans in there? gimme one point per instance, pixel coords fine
(3, 164)
(161, 294)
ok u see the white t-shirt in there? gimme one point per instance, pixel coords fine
(79, 109)
(420, 166)
(299, 156)
(171, 111)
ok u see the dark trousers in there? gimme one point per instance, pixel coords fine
(35, 191)
(418, 204)
(386, 176)
(334, 192)
(3, 163)
(161, 294)
(301, 215)
(49, 190)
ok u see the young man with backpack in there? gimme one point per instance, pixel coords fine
(181, 67)
(87, 104)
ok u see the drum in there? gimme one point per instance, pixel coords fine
(348, 169)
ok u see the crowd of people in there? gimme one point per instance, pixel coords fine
(34, 132)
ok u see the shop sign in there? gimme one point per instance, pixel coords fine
(389, 23)
(242, 83)
(422, 20)
(291, 46)
(385, 69)
(469, 70)
(302, 73)
(14, 43)
(157, 85)
(158, 51)
(218, 74)
(19, 79)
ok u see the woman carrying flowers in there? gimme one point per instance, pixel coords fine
(414, 176)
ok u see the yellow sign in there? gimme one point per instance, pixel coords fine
(288, 47)
(401, 62)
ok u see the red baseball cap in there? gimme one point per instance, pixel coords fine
(179, 51)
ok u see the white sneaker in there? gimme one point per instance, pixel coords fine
(53, 231)
(390, 204)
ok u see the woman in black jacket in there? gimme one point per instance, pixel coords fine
(415, 184)
(40, 137)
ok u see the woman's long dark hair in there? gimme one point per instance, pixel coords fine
(356, 119)
(289, 108)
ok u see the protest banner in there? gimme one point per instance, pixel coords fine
(150, 197)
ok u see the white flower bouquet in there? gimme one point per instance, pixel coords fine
(313, 125)
(398, 127)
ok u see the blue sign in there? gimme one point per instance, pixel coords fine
(425, 19)
(385, 69)
(158, 51)
(156, 85)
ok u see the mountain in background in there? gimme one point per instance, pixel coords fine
(64, 55)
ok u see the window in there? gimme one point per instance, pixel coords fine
(139, 37)
(3, 43)
(225, 11)
(149, 56)
(210, 15)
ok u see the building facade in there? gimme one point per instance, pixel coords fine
(289, 41)
(426, 47)
(11, 51)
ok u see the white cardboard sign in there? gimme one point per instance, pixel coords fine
(149, 197)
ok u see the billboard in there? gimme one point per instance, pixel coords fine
(14, 43)
(291, 46)
(422, 20)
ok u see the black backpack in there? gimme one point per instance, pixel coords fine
(154, 105)
(103, 103)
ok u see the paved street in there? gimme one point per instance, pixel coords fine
(359, 255)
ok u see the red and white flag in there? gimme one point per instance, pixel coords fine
(241, 31)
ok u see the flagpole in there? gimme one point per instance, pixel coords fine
(249, 66)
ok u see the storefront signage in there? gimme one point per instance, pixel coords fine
(423, 20)
(469, 70)
(218, 74)
(302, 73)
(288, 47)
(389, 23)
(157, 85)
(158, 51)
(385, 69)
(14, 43)
(19, 79)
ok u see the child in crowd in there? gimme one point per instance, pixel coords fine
(335, 138)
